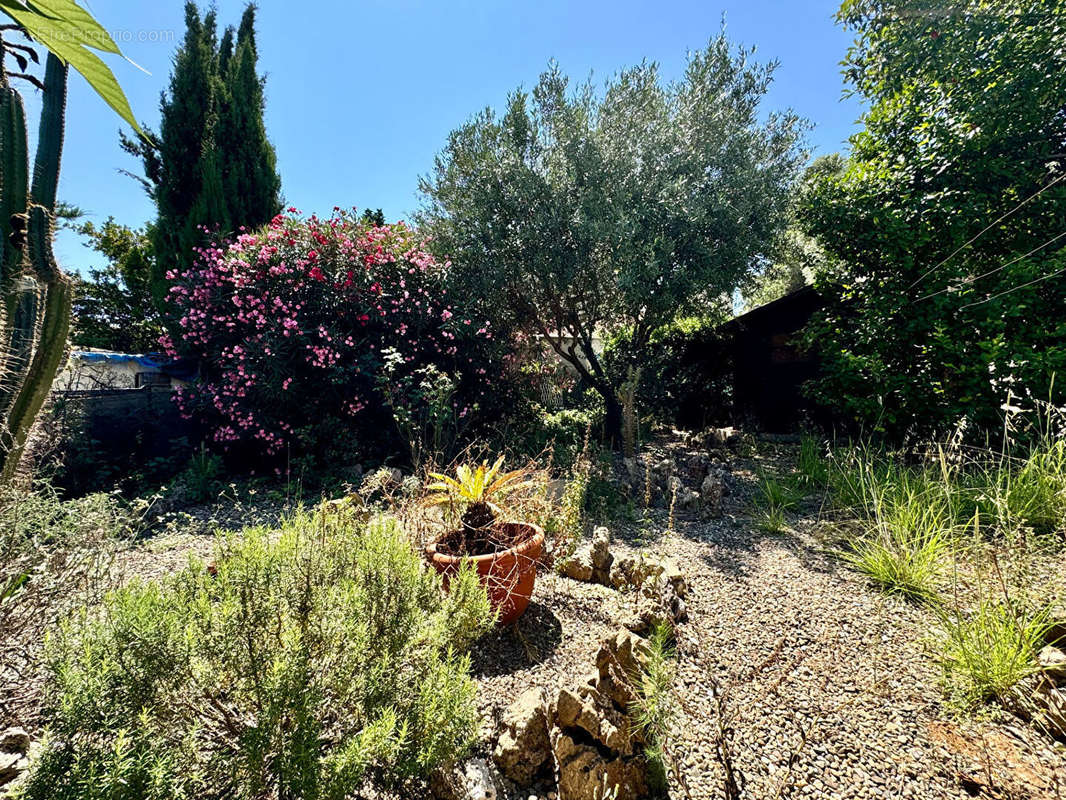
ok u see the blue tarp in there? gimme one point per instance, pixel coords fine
(183, 368)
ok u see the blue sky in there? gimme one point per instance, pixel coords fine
(361, 94)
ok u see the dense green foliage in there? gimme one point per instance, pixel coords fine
(685, 371)
(577, 214)
(945, 229)
(211, 166)
(293, 667)
(113, 308)
(55, 555)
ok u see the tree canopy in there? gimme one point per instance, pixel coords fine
(577, 213)
(113, 309)
(945, 232)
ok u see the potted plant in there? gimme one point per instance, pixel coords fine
(505, 553)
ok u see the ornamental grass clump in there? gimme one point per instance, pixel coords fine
(302, 665)
(986, 652)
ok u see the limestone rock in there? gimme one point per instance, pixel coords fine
(659, 603)
(14, 754)
(673, 574)
(585, 774)
(579, 565)
(712, 490)
(14, 740)
(1053, 663)
(474, 780)
(632, 571)
(523, 746)
(1050, 704)
(601, 554)
(687, 499)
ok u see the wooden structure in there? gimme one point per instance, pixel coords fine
(769, 366)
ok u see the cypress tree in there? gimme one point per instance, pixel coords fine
(249, 173)
(211, 165)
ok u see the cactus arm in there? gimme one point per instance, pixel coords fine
(13, 197)
(50, 134)
(13, 174)
(53, 324)
(47, 359)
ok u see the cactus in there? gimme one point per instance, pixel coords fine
(36, 294)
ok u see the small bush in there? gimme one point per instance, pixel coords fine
(984, 654)
(563, 434)
(201, 477)
(54, 554)
(297, 666)
(653, 711)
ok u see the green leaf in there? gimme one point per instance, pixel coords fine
(68, 31)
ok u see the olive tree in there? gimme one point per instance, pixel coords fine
(578, 213)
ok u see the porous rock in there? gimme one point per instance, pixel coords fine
(473, 780)
(585, 774)
(14, 754)
(712, 490)
(658, 603)
(1053, 663)
(595, 747)
(523, 748)
(601, 555)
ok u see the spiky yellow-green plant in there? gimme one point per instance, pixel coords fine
(475, 489)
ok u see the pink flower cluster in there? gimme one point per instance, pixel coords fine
(290, 324)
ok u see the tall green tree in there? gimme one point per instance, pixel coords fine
(577, 214)
(797, 257)
(249, 166)
(945, 231)
(114, 308)
(211, 166)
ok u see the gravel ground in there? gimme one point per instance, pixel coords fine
(795, 677)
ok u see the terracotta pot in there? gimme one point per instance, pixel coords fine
(507, 575)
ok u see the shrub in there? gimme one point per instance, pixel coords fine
(296, 666)
(297, 325)
(655, 708)
(201, 477)
(984, 654)
(941, 277)
(561, 433)
(54, 554)
(685, 372)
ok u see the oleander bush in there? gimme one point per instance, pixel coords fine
(323, 337)
(298, 665)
